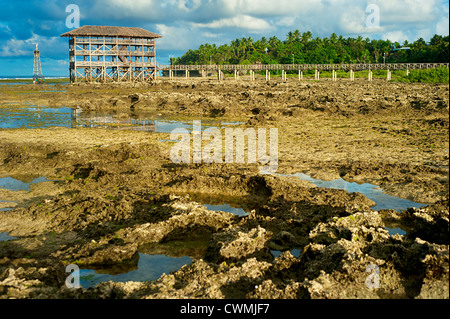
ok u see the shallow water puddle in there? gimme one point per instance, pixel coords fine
(44, 117)
(227, 204)
(6, 237)
(150, 267)
(226, 208)
(395, 231)
(155, 259)
(13, 184)
(5, 209)
(140, 122)
(34, 117)
(373, 192)
(294, 252)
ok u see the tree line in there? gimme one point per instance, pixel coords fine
(302, 48)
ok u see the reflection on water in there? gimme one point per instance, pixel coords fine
(111, 120)
(229, 204)
(155, 259)
(13, 184)
(150, 267)
(226, 208)
(373, 192)
(6, 237)
(294, 252)
(139, 121)
(44, 117)
(394, 231)
(34, 117)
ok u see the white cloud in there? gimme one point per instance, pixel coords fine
(396, 36)
(15, 47)
(210, 35)
(442, 26)
(240, 21)
(189, 5)
(176, 37)
(287, 21)
(185, 24)
(270, 7)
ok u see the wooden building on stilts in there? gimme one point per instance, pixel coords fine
(112, 54)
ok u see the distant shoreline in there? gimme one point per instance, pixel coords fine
(30, 80)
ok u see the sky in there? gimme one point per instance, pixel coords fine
(186, 24)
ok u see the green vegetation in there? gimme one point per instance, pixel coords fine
(304, 49)
(438, 75)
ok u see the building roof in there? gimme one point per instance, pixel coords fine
(92, 30)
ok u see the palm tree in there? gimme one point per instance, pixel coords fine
(290, 37)
(306, 37)
(296, 35)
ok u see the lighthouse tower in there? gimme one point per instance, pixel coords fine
(37, 70)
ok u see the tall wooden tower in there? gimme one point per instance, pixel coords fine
(116, 54)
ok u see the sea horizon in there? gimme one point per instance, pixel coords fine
(29, 77)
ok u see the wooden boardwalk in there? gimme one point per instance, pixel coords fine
(302, 67)
(203, 70)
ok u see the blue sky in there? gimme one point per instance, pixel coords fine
(185, 24)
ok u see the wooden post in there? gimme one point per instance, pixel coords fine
(187, 74)
(352, 75)
(407, 71)
(333, 75)
(388, 75)
(370, 75)
(317, 75)
(300, 75)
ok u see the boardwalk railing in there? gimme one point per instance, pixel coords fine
(302, 67)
